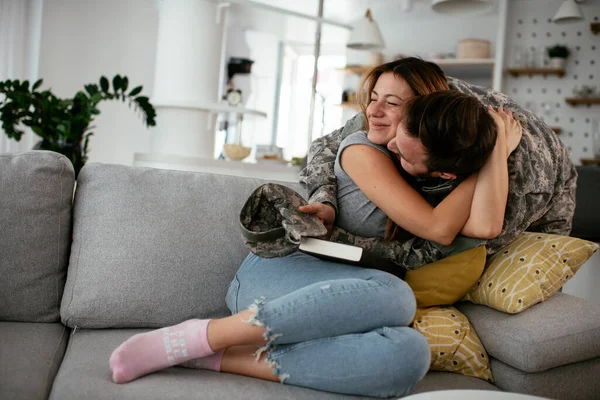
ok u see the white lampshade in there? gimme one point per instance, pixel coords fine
(568, 11)
(460, 6)
(365, 34)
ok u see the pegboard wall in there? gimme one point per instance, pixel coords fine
(529, 31)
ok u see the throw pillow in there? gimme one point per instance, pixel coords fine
(454, 344)
(446, 281)
(529, 271)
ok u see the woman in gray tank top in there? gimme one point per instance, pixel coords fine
(303, 321)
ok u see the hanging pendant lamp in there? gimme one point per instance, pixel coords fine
(460, 6)
(365, 34)
(568, 12)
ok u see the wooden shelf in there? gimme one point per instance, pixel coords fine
(358, 69)
(214, 107)
(556, 129)
(463, 61)
(350, 105)
(595, 27)
(590, 161)
(470, 67)
(536, 71)
(575, 101)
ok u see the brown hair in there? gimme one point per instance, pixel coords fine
(423, 77)
(457, 131)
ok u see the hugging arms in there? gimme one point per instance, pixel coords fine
(307, 322)
(541, 188)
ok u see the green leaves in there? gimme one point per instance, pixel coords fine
(147, 109)
(104, 84)
(117, 82)
(65, 124)
(37, 85)
(135, 91)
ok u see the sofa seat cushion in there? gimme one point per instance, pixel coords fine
(436, 380)
(84, 374)
(152, 247)
(577, 381)
(560, 331)
(36, 192)
(30, 354)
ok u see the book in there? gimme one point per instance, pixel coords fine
(348, 254)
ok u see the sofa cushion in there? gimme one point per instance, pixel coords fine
(85, 374)
(435, 381)
(454, 344)
(446, 281)
(30, 354)
(560, 331)
(577, 381)
(153, 247)
(35, 215)
(529, 270)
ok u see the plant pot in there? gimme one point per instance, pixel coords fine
(557, 62)
(72, 151)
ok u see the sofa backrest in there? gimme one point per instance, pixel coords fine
(586, 221)
(152, 247)
(36, 192)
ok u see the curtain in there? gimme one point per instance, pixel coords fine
(20, 36)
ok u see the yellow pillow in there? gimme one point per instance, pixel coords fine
(448, 280)
(454, 344)
(529, 271)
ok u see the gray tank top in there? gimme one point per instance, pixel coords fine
(356, 213)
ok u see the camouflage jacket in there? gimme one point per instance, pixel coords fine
(542, 183)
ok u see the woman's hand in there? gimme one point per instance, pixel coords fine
(514, 133)
(325, 212)
(509, 127)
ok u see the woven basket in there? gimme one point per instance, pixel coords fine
(473, 48)
(236, 151)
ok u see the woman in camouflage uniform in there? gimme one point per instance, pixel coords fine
(318, 324)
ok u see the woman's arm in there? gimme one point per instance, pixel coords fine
(377, 177)
(318, 178)
(491, 191)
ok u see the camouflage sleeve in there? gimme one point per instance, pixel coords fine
(411, 253)
(318, 178)
(541, 175)
(559, 218)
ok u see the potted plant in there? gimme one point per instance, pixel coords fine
(64, 125)
(558, 55)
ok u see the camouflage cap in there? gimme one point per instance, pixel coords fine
(271, 223)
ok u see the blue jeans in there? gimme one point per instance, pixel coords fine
(333, 327)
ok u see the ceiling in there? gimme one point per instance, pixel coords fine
(347, 11)
(403, 28)
(339, 10)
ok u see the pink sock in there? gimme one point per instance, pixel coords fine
(162, 348)
(212, 362)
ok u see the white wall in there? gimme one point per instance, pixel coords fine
(422, 31)
(259, 87)
(530, 27)
(83, 40)
(586, 281)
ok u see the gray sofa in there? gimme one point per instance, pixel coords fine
(82, 274)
